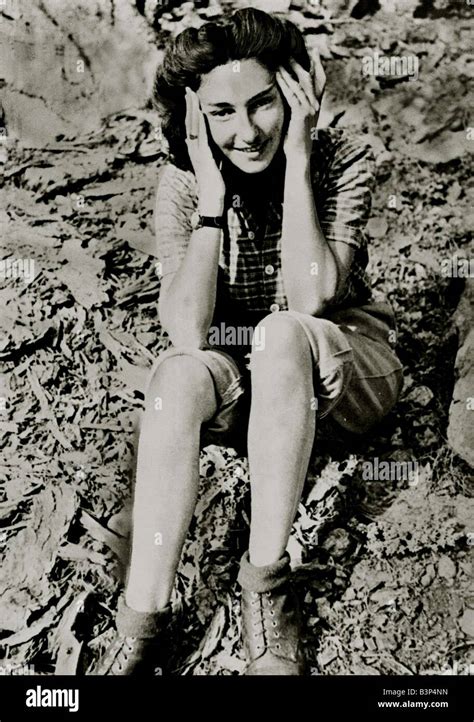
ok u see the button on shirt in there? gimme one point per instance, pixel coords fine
(342, 177)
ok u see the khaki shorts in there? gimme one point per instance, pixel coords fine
(357, 375)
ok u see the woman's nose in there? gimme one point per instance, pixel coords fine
(246, 129)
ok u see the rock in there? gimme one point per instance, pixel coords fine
(323, 608)
(384, 597)
(461, 412)
(327, 656)
(337, 543)
(420, 395)
(357, 643)
(446, 567)
(467, 622)
(443, 148)
(74, 64)
(377, 227)
(430, 571)
(466, 567)
(364, 669)
(349, 595)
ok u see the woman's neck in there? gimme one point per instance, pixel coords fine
(256, 186)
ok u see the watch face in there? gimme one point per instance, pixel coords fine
(195, 220)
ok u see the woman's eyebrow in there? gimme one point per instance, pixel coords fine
(252, 100)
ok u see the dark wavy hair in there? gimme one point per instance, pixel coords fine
(247, 33)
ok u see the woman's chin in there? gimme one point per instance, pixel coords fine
(253, 167)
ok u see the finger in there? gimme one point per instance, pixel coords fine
(289, 97)
(195, 117)
(187, 98)
(294, 90)
(306, 82)
(192, 119)
(319, 76)
(202, 129)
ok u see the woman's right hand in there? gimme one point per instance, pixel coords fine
(211, 186)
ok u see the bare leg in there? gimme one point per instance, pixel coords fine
(281, 434)
(167, 477)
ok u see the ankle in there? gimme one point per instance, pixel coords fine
(147, 604)
(259, 558)
(263, 578)
(141, 624)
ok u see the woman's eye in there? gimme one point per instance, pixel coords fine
(263, 101)
(221, 113)
(225, 112)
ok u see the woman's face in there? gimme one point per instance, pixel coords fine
(245, 111)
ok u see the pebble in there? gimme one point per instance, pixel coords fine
(377, 227)
(467, 622)
(337, 543)
(327, 656)
(323, 608)
(357, 643)
(446, 567)
(420, 395)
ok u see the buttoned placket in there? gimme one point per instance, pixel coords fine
(258, 241)
(268, 269)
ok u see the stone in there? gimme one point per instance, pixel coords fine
(384, 597)
(377, 227)
(337, 543)
(467, 622)
(446, 567)
(327, 656)
(420, 395)
(83, 61)
(461, 412)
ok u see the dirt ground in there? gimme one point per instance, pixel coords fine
(384, 568)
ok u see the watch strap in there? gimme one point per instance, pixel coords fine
(209, 221)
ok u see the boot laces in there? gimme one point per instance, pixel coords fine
(126, 646)
(263, 620)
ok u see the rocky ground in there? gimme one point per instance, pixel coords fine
(384, 568)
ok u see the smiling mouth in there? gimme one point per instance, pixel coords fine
(253, 148)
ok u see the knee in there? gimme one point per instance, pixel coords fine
(184, 383)
(279, 342)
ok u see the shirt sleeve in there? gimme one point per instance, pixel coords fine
(345, 192)
(176, 200)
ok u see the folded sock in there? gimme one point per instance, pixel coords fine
(263, 579)
(145, 625)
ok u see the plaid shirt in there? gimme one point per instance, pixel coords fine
(250, 276)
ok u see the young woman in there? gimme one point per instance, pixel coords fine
(259, 222)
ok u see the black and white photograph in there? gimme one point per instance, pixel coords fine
(237, 351)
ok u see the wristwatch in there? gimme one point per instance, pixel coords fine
(198, 221)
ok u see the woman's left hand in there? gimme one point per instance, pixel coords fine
(304, 98)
